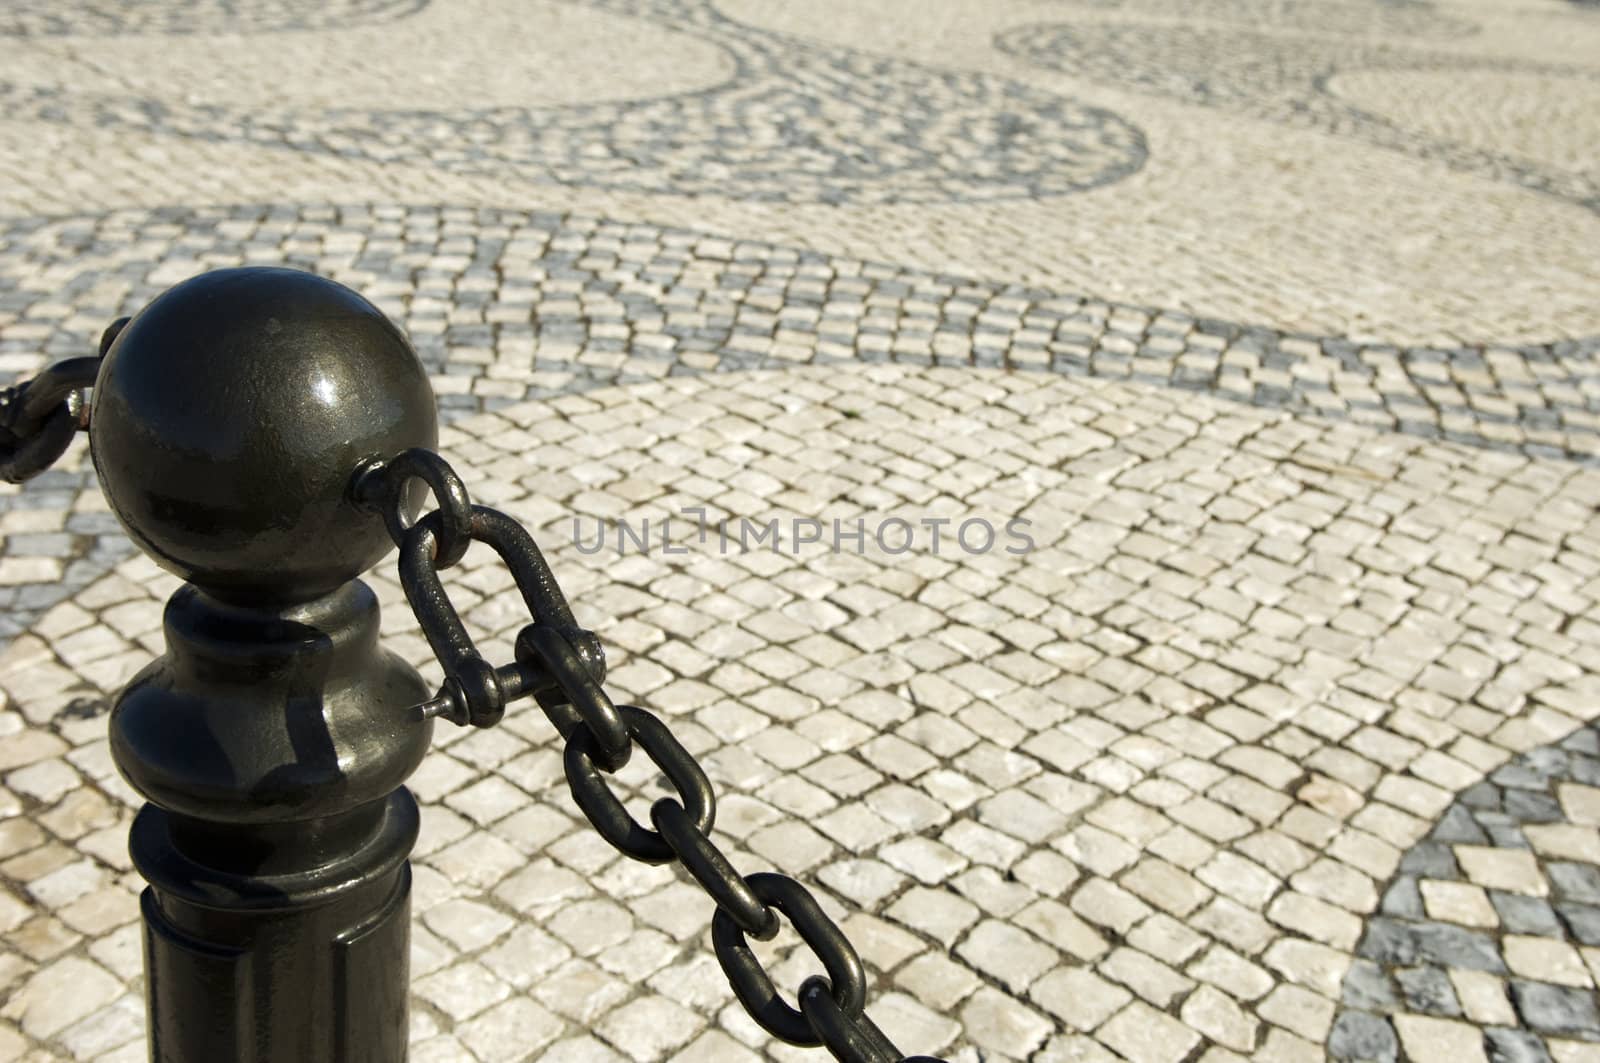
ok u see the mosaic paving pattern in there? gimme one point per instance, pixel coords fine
(508, 305)
(1281, 746)
(1285, 79)
(505, 306)
(1494, 920)
(1135, 791)
(798, 122)
(1383, 18)
(85, 18)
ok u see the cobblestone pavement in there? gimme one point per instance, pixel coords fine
(87, 18)
(794, 121)
(1275, 320)
(1292, 80)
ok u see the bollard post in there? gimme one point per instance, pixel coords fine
(266, 434)
(273, 738)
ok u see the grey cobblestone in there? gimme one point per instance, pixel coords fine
(1533, 939)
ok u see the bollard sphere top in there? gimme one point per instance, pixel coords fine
(229, 417)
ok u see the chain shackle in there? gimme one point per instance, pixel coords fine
(563, 667)
(474, 691)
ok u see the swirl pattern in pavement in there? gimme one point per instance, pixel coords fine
(798, 122)
(1378, 18)
(1493, 919)
(506, 306)
(106, 18)
(1285, 79)
(1156, 790)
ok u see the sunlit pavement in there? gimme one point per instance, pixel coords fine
(1259, 333)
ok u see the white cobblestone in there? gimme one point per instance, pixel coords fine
(1201, 777)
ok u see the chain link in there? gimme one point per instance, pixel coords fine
(474, 691)
(595, 799)
(562, 667)
(580, 709)
(386, 487)
(39, 416)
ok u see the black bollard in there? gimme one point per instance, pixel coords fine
(273, 739)
(265, 434)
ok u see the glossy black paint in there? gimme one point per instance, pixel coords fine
(229, 416)
(273, 738)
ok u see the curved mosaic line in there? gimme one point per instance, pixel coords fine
(105, 18)
(1285, 80)
(519, 305)
(1394, 18)
(576, 301)
(798, 122)
(1493, 920)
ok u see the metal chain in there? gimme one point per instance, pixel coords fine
(39, 416)
(562, 667)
